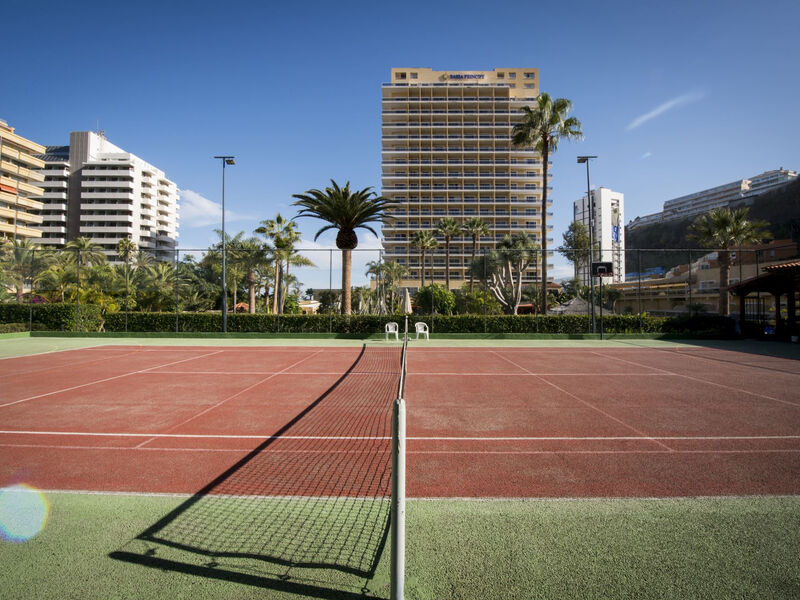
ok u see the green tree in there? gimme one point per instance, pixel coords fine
(575, 246)
(250, 255)
(435, 298)
(475, 228)
(283, 235)
(502, 269)
(126, 249)
(17, 262)
(542, 127)
(723, 229)
(87, 253)
(448, 228)
(423, 241)
(346, 211)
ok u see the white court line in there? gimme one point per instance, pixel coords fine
(75, 387)
(239, 393)
(602, 412)
(411, 437)
(727, 387)
(420, 373)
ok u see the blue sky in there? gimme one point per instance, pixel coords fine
(673, 97)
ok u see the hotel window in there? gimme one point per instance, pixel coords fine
(501, 75)
(512, 75)
(530, 75)
(413, 75)
(399, 75)
(530, 85)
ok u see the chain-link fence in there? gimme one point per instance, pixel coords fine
(502, 280)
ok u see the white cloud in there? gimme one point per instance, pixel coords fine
(646, 155)
(198, 211)
(682, 100)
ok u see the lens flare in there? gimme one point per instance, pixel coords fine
(23, 512)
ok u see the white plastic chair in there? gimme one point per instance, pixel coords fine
(422, 328)
(392, 327)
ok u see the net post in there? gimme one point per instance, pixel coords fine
(398, 499)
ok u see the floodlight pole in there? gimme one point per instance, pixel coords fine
(590, 201)
(226, 160)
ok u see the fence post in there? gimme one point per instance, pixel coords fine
(177, 283)
(78, 288)
(639, 285)
(485, 295)
(690, 282)
(330, 288)
(30, 292)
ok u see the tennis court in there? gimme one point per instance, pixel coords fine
(482, 422)
(285, 452)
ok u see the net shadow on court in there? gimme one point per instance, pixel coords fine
(296, 501)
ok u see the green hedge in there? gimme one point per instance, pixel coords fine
(371, 324)
(52, 317)
(58, 317)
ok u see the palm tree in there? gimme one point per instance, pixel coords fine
(542, 127)
(283, 234)
(17, 259)
(346, 211)
(158, 282)
(475, 228)
(251, 255)
(87, 253)
(424, 240)
(126, 248)
(724, 229)
(59, 277)
(448, 228)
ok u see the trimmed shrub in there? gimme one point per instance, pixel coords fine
(52, 317)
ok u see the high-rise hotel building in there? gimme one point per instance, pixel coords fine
(97, 190)
(20, 191)
(447, 152)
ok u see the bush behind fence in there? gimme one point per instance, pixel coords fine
(59, 317)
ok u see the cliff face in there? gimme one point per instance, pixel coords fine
(780, 208)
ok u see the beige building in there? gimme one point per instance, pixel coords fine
(19, 190)
(446, 152)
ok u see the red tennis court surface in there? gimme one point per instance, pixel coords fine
(482, 422)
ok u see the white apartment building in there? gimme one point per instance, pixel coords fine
(720, 196)
(97, 190)
(608, 230)
(446, 152)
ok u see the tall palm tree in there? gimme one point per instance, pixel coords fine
(542, 127)
(283, 235)
(448, 228)
(346, 211)
(723, 229)
(475, 228)
(424, 240)
(126, 248)
(251, 255)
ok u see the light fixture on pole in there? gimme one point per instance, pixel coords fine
(590, 201)
(226, 160)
